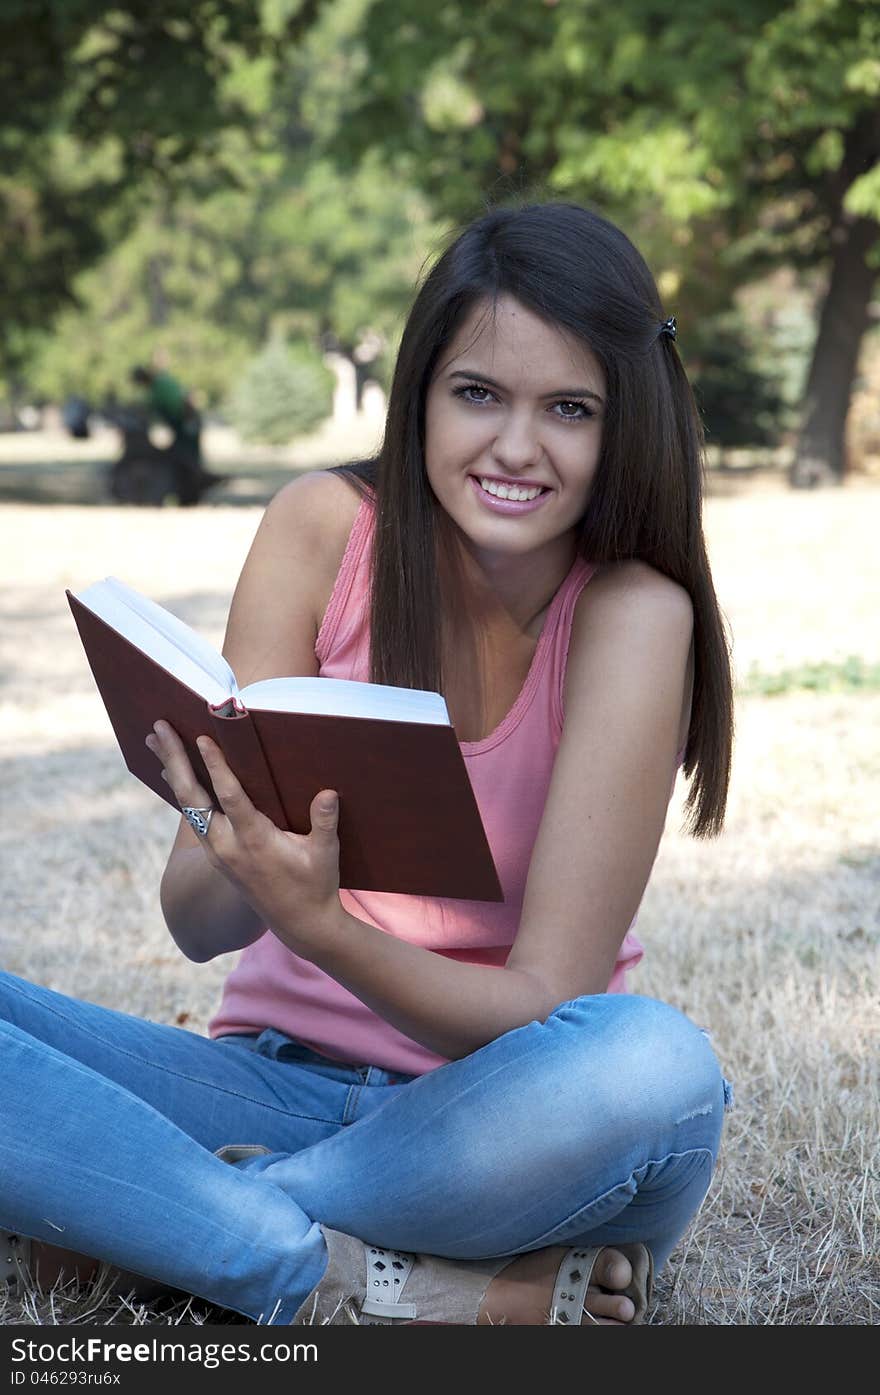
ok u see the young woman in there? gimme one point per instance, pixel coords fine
(447, 1111)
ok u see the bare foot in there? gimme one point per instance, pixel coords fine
(522, 1293)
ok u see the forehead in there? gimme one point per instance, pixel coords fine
(509, 342)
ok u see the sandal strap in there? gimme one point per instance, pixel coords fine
(570, 1289)
(573, 1278)
(15, 1257)
(387, 1272)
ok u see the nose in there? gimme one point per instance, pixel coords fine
(516, 446)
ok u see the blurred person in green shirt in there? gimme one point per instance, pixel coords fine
(168, 400)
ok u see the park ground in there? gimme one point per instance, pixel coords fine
(767, 936)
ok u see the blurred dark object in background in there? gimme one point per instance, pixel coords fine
(75, 417)
(149, 474)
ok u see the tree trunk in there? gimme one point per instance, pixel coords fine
(820, 456)
(821, 450)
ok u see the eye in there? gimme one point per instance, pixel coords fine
(474, 393)
(573, 410)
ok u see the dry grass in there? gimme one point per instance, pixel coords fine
(767, 936)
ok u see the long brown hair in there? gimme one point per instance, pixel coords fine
(577, 270)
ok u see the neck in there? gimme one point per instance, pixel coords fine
(514, 590)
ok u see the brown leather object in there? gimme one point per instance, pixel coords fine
(408, 818)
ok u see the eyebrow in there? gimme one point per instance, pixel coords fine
(560, 392)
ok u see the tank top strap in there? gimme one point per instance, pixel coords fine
(352, 579)
(560, 637)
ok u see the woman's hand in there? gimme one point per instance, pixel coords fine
(290, 879)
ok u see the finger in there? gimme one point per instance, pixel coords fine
(168, 748)
(324, 814)
(231, 796)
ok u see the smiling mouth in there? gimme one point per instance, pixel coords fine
(517, 493)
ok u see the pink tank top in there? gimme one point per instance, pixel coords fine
(510, 774)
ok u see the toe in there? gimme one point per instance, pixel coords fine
(612, 1270)
(608, 1305)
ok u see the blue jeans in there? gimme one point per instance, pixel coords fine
(599, 1125)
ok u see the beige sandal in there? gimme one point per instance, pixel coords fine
(372, 1286)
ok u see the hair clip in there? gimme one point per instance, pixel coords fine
(667, 329)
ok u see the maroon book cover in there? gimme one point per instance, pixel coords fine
(408, 819)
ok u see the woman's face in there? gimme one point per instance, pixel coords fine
(515, 408)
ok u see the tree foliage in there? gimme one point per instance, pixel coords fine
(284, 392)
(672, 108)
(288, 165)
(741, 400)
(730, 138)
(253, 232)
(307, 253)
(101, 106)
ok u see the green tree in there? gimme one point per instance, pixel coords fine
(741, 400)
(285, 392)
(257, 232)
(301, 250)
(732, 138)
(99, 102)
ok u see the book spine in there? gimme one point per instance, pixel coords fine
(237, 738)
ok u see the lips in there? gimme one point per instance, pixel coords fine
(508, 506)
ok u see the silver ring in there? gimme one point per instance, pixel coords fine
(198, 819)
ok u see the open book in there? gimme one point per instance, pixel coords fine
(408, 819)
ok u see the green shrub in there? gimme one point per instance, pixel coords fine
(740, 401)
(852, 675)
(286, 391)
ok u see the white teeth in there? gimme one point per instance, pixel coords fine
(510, 491)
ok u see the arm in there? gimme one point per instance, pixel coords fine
(625, 705)
(272, 627)
(627, 708)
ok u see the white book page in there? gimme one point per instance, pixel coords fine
(342, 697)
(162, 636)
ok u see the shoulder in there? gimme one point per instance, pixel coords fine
(631, 623)
(633, 583)
(633, 596)
(317, 507)
(307, 525)
(288, 577)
